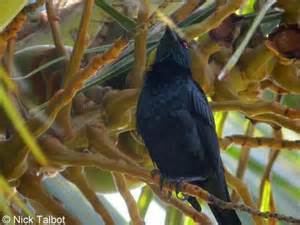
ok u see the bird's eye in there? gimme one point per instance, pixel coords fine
(185, 44)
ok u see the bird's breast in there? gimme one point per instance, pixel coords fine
(161, 102)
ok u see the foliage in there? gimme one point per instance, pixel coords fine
(9, 9)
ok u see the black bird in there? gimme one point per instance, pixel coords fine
(176, 123)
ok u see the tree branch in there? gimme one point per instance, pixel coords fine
(130, 202)
(252, 142)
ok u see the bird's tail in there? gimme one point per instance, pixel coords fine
(223, 216)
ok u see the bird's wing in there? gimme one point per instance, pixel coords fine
(204, 120)
(200, 106)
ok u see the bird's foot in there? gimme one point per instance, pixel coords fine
(162, 179)
(154, 173)
(187, 179)
(179, 181)
(175, 182)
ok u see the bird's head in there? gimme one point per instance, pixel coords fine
(174, 49)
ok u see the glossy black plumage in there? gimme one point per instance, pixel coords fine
(177, 125)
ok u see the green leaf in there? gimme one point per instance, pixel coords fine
(144, 200)
(9, 9)
(199, 16)
(4, 208)
(189, 221)
(220, 119)
(124, 21)
(121, 67)
(292, 101)
(5, 188)
(173, 217)
(248, 7)
(266, 197)
(19, 124)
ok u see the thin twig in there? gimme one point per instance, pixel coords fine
(271, 85)
(253, 142)
(11, 31)
(55, 30)
(266, 178)
(131, 204)
(63, 97)
(241, 188)
(271, 118)
(41, 122)
(15, 26)
(185, 10)
(58, 153)
(80, 44)
(256, 108)
(64, 117)
(244, 158)
(198, 217)
(214, 20)
(135, 78)
(75, 175)
(31, 187)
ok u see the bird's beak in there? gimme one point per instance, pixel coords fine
(171, 36)
(171, 48)
(169, 41)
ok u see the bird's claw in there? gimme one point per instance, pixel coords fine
(162, 181)
(179, 181)
(176, 181)
(154, 174)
